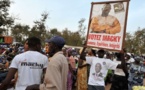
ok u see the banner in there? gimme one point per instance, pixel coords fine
(107, 25)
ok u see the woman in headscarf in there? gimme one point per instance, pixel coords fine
(72, 68)
(136, 73)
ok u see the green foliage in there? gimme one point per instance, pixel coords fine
(75, 38)
(54, 32)
(82, 27)
(39, 29)
(72, 38)
(5, 20)
(20, 32)
(136, 43)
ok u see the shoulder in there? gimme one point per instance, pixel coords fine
(19, 55)
(18, 58)
(43, 55)
(58, 61)
(40, 54)
(109, 60)
(91, 58)
(58, 57)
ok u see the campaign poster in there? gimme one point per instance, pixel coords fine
(107, 24)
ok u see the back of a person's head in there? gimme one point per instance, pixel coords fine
(118, 55)
(93, 52)
(33, 41)
(101, 53)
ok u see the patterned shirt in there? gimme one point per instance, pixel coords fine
(136, 74)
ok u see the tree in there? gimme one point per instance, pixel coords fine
(81, 30)
(76, 39)
(5, 20)
(39, 29)
(82, 27)
(135, 43)
(20, 32)
(128, 42)
(66, 35)
(71, 38)
(140, 41)
(54, 32)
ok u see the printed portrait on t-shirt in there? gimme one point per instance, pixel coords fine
(98, 72)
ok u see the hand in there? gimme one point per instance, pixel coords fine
(81, 66)
(85, 43)
(122, 51)
(29, 88)
(32, 87)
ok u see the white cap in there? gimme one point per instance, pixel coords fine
(129, 54)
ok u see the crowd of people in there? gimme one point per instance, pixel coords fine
(55, 67)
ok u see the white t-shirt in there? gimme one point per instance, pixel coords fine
(118, 71)
(99, 69)
(30, 67)
(131, 60)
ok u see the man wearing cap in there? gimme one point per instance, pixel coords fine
(57, 69)
(129, 59)
(101, 65)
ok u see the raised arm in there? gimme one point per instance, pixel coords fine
(123, 64)
(8, 79)
(82, 57)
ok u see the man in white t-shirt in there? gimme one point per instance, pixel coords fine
(29, 65)
(99, 69)
(57, 70)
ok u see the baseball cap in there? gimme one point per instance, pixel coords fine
(58, 40)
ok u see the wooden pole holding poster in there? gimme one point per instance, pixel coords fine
(125, 23)
(107, 25)
(89, 20)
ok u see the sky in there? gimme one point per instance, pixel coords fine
(66, 13)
